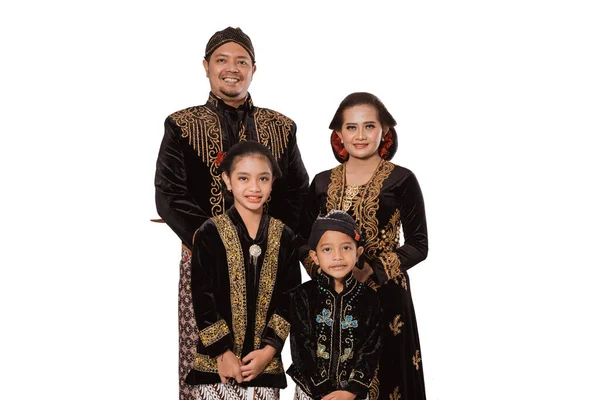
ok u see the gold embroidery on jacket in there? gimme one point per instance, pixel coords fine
(389, 238)
(391, 264)
(334, 190)
(202, 128)
(268, 273)
(416, 360)
(280, 326)
(374, 388)
(273, 130)
(214, 332)
(204, 363)
(396, 394)
(237, 279)
(395, 325)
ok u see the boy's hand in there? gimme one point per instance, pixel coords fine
(229, 366)
(256, 361)
(340, 395)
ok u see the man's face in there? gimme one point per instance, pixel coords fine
(230, 72)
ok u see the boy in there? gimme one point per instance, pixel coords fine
(335, 319)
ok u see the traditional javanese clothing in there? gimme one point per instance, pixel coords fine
(188, 184)
(335, 337)
(391, 200)
(240, 304)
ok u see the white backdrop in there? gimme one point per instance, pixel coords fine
(497, 106)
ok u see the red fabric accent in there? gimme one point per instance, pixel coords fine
(338, 146)
(386, 144)
(220, 158)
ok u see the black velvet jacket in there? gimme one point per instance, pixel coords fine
(187, 181)
(238, 306)
(335, 337)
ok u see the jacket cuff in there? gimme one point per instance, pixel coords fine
(216, 338)
(357, 385)
(277, 332)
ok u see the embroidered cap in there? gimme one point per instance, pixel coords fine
(336, 220)
(227, 35)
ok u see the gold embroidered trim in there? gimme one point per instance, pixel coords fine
(374, 388)
(273, 130)
(309, 265)
(365, 208)
(416, 360)
(204, 363)
(391, 264)
(268, 274)
(389, 238)
(237, 279)
(396, 394)
(395, 325)
(214, 332)
(202, 128)
(280, 326)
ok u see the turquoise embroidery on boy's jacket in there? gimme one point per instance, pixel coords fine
(325, 317)
(349, 322)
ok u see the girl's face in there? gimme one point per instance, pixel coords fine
(250, 182)
(361, 131)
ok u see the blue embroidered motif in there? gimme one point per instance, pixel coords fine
(325, 318)
(349, 322)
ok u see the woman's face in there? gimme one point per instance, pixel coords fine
(361, 131)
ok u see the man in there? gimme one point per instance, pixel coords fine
(188, 183)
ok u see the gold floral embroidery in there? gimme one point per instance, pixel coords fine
(280, 326)
(374, 387)
(350, 196)
(204, 363)
(268, 274)
(310, 266)
(416, 360)
(395, 325)
(365, 208)
(273, 130)
(214, 332)
(389, 238)
(237, 279)
(401, 280)
(396, 395)
(334, 190)
(202, 128)
(391, 264)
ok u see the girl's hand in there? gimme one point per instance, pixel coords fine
(340, 395)
(256, 361)
(229, 366)
(362, 275)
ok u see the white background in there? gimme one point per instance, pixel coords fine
(497, 104)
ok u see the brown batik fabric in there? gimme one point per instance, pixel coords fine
(227, 391)
(188, 330)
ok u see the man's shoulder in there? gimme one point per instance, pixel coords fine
(271, 115)
(190, 114)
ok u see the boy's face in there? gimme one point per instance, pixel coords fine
(336, 254)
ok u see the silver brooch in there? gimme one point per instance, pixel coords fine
(255, 252)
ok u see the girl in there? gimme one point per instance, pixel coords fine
(384, 199)
(336, 320)
(243, 265)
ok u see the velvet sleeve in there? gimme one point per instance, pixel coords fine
(303, 343)
(389, 265)
(367, 356)
(288, 277)
(297, 184)
(310, 212)
(173, 202)
(214, 333)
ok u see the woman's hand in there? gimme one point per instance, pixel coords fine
(229, 366)
(340, 395)
(363, 274)
(256, 361)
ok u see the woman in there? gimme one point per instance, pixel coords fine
(382, 198)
